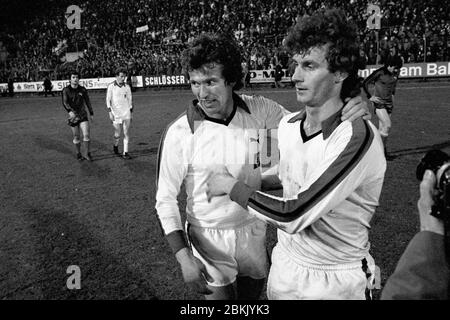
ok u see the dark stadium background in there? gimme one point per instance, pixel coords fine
(29, 30)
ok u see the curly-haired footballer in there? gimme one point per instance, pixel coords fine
(331, 171)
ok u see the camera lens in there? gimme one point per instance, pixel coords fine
(431, 161)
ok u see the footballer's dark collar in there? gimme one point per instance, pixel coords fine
(195, 113)
(328, 125)
(117, 84)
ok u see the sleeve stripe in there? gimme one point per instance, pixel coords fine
(289, 210)
(160, 147)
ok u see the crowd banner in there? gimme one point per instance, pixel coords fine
(416, 70)
(136, 82)
(29, 86)
(142, 29)
(90, 83)
(268, 76)
(165, 80)
(58, 85)
(409, 70)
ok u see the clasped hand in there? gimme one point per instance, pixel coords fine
(220, 182)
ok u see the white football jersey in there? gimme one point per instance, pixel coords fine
(119, 100)
(194, 146)
(331, 181)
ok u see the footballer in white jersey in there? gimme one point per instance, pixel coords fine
(331, 171)
(225, 257)
(191, 149)
(119, 103)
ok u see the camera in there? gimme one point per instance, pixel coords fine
(439, 162)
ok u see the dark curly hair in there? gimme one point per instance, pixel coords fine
(119, 70)
(209, 49)
(330, 26)
(74, 72)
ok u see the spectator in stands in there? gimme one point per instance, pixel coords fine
(245, 74)
(259, 25)
(363, 59)
(48, 86)
(11, 86)
(278, 75)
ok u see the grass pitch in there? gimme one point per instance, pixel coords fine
(56, 212)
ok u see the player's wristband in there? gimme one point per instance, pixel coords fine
(240, 193)
(177, 240)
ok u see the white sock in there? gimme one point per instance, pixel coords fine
(125, 145)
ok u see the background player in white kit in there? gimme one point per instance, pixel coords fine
(226, 256)
(332, 172)
(120, 106)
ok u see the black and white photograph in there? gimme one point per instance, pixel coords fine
(224, 155)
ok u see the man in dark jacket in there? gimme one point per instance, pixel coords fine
(11, 86)
(48, 86)
(278, 76)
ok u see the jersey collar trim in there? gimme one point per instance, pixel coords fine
(328, 125)
(116, 84)
(195, 113)
(298, 117)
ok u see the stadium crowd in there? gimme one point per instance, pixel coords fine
(108, 38)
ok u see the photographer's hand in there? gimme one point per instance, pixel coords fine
(427, 190)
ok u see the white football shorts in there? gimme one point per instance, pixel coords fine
(228, 253)
(290, 279)
(119, 119)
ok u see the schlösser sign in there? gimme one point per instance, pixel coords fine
(164, 80)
